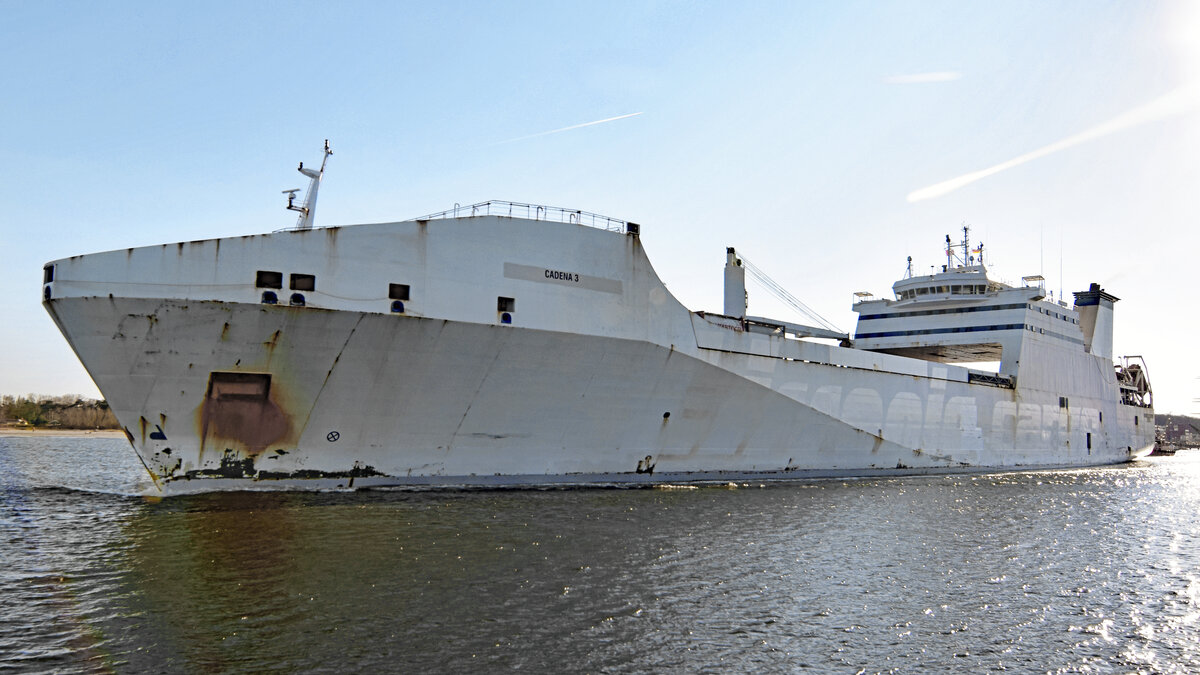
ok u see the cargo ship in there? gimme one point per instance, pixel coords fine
(505, 344)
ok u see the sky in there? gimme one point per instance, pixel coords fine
(825, 141)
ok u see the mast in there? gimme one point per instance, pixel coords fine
(308, 210)
(967, 259)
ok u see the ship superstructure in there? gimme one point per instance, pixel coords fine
(506, 343)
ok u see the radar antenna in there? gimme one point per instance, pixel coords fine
(309, 208)
(968, 254)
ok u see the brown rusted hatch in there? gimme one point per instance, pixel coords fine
(238, 409)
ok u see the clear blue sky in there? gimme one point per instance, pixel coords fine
(795, 131)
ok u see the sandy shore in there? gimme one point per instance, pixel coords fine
(50, 431)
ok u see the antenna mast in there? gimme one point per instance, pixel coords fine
(967, 259)
(309, 208)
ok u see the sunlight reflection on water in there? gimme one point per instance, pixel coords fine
(1049, 571)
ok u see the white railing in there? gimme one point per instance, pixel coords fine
(497, 207)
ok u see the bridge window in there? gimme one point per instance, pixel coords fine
(265, 279)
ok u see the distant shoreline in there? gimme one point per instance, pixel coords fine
(9, 432)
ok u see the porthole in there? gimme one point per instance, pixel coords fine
(269, 298)
(397, 307)
(297, 300)
(506, 318)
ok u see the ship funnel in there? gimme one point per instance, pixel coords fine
(735, 285)
(309, 208)
(1095, 308)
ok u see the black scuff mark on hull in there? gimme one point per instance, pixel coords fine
(232, 466)
(359, 471)
(646, 465)
(496, 437)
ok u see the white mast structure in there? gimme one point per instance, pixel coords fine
(308, 210)
(968, 258)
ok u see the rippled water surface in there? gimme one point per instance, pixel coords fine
(1068, 571)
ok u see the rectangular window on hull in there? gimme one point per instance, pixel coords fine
(397, 291)
(47, 274)
(1089, 441)
(303, 282)
(504, 304)
(265, 279)
(239, 386)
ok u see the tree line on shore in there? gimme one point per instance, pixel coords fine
(69, 411)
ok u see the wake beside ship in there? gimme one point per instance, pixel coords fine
(508, 344)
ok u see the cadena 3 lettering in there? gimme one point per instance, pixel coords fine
(562, 276)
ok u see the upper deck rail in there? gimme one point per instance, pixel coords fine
(496, 207)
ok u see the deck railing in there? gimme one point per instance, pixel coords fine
(497, 207)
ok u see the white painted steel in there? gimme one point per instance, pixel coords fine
(600, 374)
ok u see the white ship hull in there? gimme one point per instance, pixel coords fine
(599, 378)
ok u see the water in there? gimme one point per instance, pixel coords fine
(1068, 571)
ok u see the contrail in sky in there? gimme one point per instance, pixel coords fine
(575, 126)
(1178, 101)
